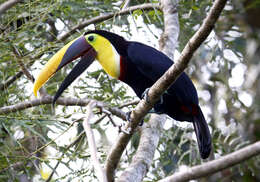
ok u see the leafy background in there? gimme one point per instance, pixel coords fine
(225, 71)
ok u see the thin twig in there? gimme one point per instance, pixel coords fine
(125, 4)
(21, 63)
(7, 5)
(6, 84)
(20, 73)
(26, 72)
(92, 144)
(28, 157)
(129, 104)
(66, 149)
(99, 119)
(146, 6)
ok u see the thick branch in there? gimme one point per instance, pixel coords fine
(146, 6)
(7, 5)
(169, 38)
(164, 83)
(211, 167)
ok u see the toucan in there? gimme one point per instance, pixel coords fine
(139, 66)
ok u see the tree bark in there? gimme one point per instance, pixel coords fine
(169, 38)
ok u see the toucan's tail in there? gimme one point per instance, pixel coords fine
(202, 134)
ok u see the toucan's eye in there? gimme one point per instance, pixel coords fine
(91, 38)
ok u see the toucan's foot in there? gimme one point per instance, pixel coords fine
(146, 97)
(141, 123)
(128, 118)
(121, 129)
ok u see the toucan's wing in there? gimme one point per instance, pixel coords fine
(153, 64)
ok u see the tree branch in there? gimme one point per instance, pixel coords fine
(146, 6)
(16, 76)
(25, 71)
(20, 73)
(65, 101)
(7, 5)
(6, 84)
(20, 61)
(150, 134)
(211, 167)
(125, 4)
(163, 84)
(92, 145)
(129, 104)
(169, 38)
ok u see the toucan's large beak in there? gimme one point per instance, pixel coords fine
(74, 49)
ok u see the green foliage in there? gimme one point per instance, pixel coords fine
(35, 137)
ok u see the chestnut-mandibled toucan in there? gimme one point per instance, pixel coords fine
(137, 65)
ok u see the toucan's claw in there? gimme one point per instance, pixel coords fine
(141, 123)
(128, 118)
(147, 99)
(125, 131)
(145, 95)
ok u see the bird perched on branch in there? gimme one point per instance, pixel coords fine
(139, 66)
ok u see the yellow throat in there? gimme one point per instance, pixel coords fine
(106, 54)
